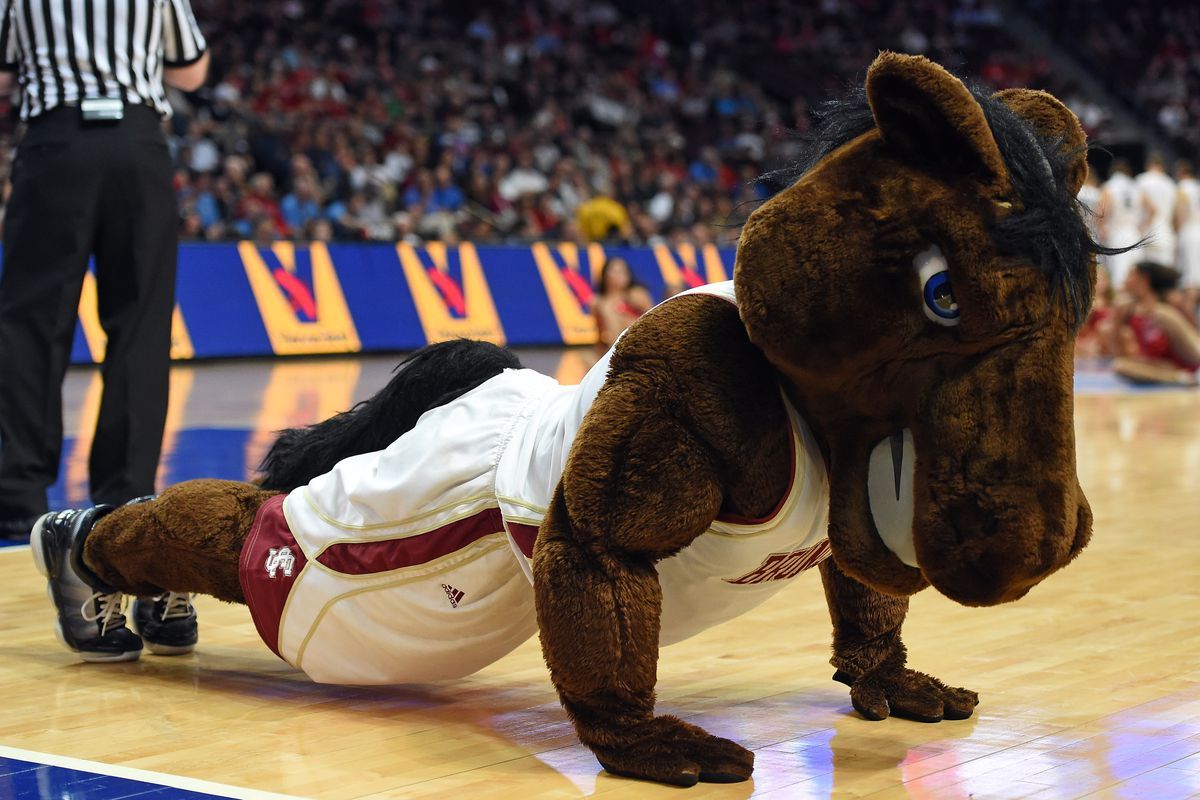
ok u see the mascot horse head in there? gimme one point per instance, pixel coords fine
(919, 288)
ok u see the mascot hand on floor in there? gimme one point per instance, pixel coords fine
(887, 380)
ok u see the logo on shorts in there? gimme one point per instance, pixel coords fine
(455, 595)
(280, 558)
(784, 566)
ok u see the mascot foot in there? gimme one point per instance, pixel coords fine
(669, 750)
(901, 692)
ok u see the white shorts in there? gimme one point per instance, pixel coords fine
(1189, 255)
(1160, 247)
(1120, 264)
(396, 566)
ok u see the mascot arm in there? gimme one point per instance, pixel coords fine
(871, 658)
(620, 507)
(662, 451)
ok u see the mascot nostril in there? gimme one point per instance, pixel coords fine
(735, 436)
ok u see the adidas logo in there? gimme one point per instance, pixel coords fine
(455, 595)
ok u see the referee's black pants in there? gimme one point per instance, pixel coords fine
(81, 189)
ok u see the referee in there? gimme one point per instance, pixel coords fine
(91, 177)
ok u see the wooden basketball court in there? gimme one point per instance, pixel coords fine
(1090, 686)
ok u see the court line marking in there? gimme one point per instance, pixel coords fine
(143, 775)
(133, 773)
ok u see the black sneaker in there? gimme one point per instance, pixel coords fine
(90, 621)
(167, 623)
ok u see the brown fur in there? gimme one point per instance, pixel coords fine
(1053, 120)
(189, 539)
(870, 656)
(689, 424)
(682, 433)
(932, 120)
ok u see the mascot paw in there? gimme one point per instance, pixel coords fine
(669, 750)
(895, 690)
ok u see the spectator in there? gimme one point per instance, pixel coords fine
(525, 179)
(259, 201)
(1148, 53)
(319, 230)
(542, 98)
(619, 300)
(302, 205)
(446, 195)
(1097, 335)
(203, 154)
(601, 217)
(1155, 341)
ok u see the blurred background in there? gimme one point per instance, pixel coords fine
(640, 122)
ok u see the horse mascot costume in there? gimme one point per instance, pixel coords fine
(887, 380)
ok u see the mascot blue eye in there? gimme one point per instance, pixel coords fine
(937, 295)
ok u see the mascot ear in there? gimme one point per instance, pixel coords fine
(1052, 120)
(930, 117)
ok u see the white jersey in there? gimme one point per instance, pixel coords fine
(412, 563)
(1189, 232)
(1189, 197)
(734, 565)
(1160, 190)
(1122, 221)
(1089, 197)
(1125, 209)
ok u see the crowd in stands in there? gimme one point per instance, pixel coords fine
(1148, 53)
(526, 119)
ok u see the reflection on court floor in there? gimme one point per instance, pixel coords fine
(223, 416)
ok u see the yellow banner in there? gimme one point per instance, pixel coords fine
(577, 325)
(478, 319)
(93, 332)
(300, 393)
(331, 330)
(683, 267)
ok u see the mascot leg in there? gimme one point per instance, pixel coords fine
(189, 539)
(870, 657)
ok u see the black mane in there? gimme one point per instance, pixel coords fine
(1049, 231)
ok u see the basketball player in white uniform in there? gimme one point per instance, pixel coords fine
(1187, 223)
(411, 564)
(1124, 214)
(1159, 191)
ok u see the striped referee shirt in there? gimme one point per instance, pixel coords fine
(65, 51)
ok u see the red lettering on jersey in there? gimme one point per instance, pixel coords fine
(785, 566)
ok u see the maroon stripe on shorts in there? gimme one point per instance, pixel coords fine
(268, 567)
(366, 558)
(524, 536)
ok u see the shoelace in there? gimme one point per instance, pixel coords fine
(108, 610)
(175, 605)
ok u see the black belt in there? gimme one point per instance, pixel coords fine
(71, 111)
